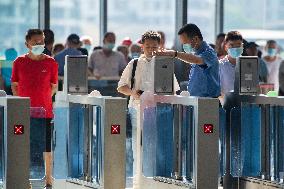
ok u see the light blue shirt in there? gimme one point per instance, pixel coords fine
(204, 79)
(227, 75)
(60, 58)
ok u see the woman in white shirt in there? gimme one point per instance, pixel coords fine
(272, 62)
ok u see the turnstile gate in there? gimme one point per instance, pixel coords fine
(90, 140)
(254, 142)
(180, 142)
(15, 142)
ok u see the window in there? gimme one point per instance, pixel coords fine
(256, 19)
(74, 16)
(15, 21)
(139, 16)
(202, 13)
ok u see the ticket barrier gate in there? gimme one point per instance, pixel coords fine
(254, 142)
(15, 142)
(179, 142)
(89, 139)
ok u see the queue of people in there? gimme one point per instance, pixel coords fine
(35, 74)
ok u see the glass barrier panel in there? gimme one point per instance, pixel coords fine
(276, 142)
(149, 138)
(235, 139)
(97, 150)
(280, 151)
(222, 140)
(187, 142)
(164, 150)
(272, 141)
(38, 132)
(61, 121)
(168, 141)
(251, 141)
(77, 118)
(246, 141)
(1, 143)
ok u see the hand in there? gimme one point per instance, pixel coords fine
(170, 53)
(135, 94)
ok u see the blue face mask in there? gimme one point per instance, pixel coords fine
(109, 46)
(37, 49)
(88, 47)
(187, 48)
(271, 52)
(135, 55)
(235, 52)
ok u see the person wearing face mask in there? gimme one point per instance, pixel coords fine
(272, 62)
(204, 73)
(105, 62)
(34, 75)
(71, 48)
(234, 48)
(143, 81)
(135, 50)
(86, 42)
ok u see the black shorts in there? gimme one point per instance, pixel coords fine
(41, 130)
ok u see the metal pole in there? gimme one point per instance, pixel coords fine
(181, 69)
(219, 17)
(44, 14)
(103, 18)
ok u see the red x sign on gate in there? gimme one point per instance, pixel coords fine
(115, 129)
(208, 128)
(18, 129)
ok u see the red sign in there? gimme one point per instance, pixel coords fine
(208, 128)
(18, 129)
(115, 129)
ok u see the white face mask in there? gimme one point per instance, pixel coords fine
(37, 49)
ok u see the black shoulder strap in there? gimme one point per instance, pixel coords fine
(133, 72)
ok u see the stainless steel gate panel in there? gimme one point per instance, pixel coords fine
(16, 142)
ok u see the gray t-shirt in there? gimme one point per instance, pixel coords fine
(107, 66)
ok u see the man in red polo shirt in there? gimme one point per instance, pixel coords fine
(34, 75)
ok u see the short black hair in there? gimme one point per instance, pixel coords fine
(233, 36)
(221, 35)
(271, 42)
(152, 35)
(191, 31)
(32, 32)
(107, 34)
(49, 36)
(73, 39)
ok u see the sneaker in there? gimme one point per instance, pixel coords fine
(48, 186)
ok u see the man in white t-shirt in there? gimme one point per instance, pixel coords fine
(143, 81)
(272, 62)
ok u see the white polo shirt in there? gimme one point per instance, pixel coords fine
(273, 72)
(144, 77)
